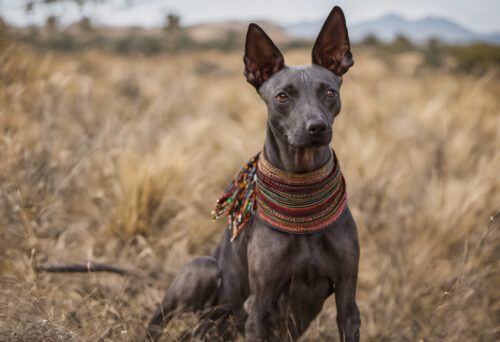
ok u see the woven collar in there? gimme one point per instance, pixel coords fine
(300, 203)
(288, 202)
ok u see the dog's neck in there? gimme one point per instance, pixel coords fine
(294, 159)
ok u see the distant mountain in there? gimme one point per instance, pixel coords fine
(389, 26)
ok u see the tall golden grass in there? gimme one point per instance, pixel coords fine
(120, 159)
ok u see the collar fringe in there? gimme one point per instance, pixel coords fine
(238, 201)
(287, 202)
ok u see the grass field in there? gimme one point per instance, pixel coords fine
(120, 160)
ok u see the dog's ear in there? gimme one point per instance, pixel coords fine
(332, 48)
(262, 58)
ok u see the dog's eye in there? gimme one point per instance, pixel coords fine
(331, 93)
(282, 97)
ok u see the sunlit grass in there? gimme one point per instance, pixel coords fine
(120, 160)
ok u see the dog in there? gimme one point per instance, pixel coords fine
(267, 284)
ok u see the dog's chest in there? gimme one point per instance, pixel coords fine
(299, 256)
(310, 277)
(312, 258)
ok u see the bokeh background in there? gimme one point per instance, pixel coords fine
(121, 123)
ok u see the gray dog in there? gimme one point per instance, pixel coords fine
(268, 284)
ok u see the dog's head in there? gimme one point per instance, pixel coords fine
(302, 101)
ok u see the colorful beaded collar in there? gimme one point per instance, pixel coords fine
(287, 202)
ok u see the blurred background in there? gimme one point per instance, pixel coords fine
(122, 121)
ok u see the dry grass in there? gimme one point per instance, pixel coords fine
(119, 160)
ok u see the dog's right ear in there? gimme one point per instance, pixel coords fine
(262, 58)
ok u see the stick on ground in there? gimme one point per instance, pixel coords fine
(79, 268)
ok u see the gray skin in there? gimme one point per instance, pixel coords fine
(266, 284)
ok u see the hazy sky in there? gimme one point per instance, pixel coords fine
(478, 15)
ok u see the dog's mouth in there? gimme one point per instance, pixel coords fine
(310, 141)
(318, 143)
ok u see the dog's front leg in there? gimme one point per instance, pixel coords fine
(268, 272)
(348, 319)
(265, 287)
(258, 325)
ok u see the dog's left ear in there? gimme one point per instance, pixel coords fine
(262, 58)
(332, 48)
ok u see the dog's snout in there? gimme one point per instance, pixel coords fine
(316, 127)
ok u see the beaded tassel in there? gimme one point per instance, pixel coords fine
(238, 201)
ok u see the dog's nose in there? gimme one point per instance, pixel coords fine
(316, 127)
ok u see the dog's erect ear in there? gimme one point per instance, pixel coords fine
(262, 58)
(332, 47)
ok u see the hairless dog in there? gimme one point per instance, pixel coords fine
(268, 284)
